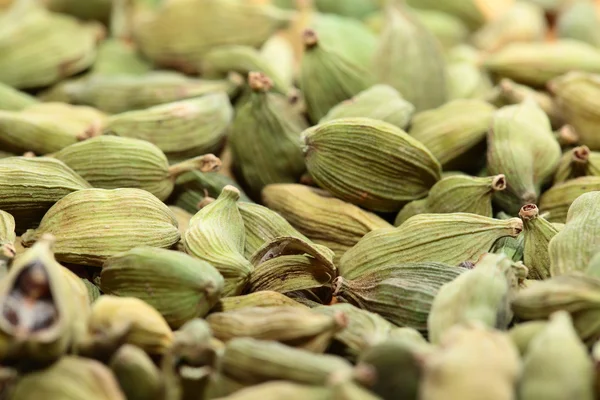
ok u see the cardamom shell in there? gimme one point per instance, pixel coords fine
(557, 200)
(537, 235)
(579, 161)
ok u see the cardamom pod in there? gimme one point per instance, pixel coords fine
(466, 79)
(413, 208)
(91, 225)
(95, 9)
(117, 56)
(578, 20)
(339, 151)
(12, 99)
(278, 53)
(474, 13)
(7, 231)
(264, 298)
(524, 333)
(579, 161)
(449, 30)
(537, 235)
(277, 390)
(557, 200)
(136, 373)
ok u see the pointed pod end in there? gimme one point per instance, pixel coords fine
(499, 183)
(230, 191)
(309, 38)
(567, 136)
(337, 285)
(529, 212)
(581, 154)
(516, 224)
(208, 163)
(259, 82)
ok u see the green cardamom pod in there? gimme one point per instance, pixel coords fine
(449, 30)
(279, 54)
(178, 286)
(413, 208)
(466, 79)
(339, 151)
(272, 153)
(446, 238)
(557, 200)
(454, 131)
(474, 13)
(522, 147)
(112, 162)
(182, 129)
(537, 235)
(12, 99)
(522, 334)
(264, 298)
(326, 220)
(7, 231)
(117, 56)
(578, 20)
(381, 102)
(136, 373)
(95, 9)
(579, 161)
(546, 375)
(278, 390)
(409, 59)
(353, 9)
(217, 235)
(91, 225)
(573, 247)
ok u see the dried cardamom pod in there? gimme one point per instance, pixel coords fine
(112, 162)
(524, 333)
(522, 147)
(40, 313)
(578, 20)
(136, 373)
(481, 294)
(264, 298)
(576, 94)
(118, 56)
(183, 219)
(265, 137)
(454, 131)
(7, 231)
(452, 372)
(326, 220)
(381, 102)
(546, 375)
(62, 45)
(579, 161)
(446, 238)
(328, 76)
(178, 286)
(91, 225)
(572, 248)
(557, 200)
(409, 59)
(278, 53)
(400, 293)
(182, 129)
(145, 327)
(474, 13)
(537, 234)
(216, 235)
(30, 186)
(12, 99)
(449, 30)
(339, 151)
(413, 208)
(48, 127)
(537, 63)
(522, 22)
(71, 377)
(278, 390)
(466, 79)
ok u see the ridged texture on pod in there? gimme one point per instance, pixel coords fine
(402, 293)
(447, 238)
(340, 153)
(326, 220)
(39, 48)
(452, 130)
(12, 99)
(70, 378)
(381, 102)
(48, 127)
(579, 161)
(178, 286)
(136, 373)
(573, 247)
(522, 147)
(179, 33)
(546, 375)
(112, 162)
(181, 129)
(481, 294)
(579, 21)
(216, 235)
(577, 94)
(537, 63)
(43, 314)
(557, 200)
(328, 76)
(251, 361)
(409, 59)
(459, 193)
(30, 186)
(453, 372)
(265, 137)
(92, 225)
(264, 298)
(144, 326)
(537, 234)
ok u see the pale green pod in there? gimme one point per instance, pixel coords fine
(413, 208)
(572, 248)
(537, 63)
(93, 9)
(557, 200)
(353, 9)
(546, 375)
(7, 229)
(30, 186)
(112, 162)
(117, 56)
(278, 53)
(537, 235)
(409, 59)
(579, 161)
(381, 102)
(522, 334)
(136, 373)
(466, 78)
(474, 13)
(448, 29)
(579, 20)
(338, 152)
(453, 130)
(264, 298)
(178, 286)
(278, 390)
(178, 34)
(446, 238)
(12, 99)
(522, 147)
(217, 236)
(181, 129)
(91, 225)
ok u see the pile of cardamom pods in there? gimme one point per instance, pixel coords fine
(299, 199)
